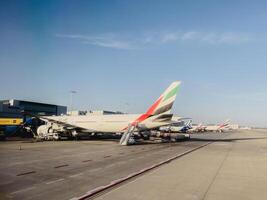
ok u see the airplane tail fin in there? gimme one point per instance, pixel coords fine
(226, 123)
(165, 102)
(188, 125)
(189, 122)
(162, 106)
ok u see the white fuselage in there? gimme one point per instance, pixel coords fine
(106, 123)
(197, 128)
(171, 128)
(215, 128)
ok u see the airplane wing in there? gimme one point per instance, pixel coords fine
(170, 118)
(65, 125)
(176, 119)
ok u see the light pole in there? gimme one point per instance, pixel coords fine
(71, 99)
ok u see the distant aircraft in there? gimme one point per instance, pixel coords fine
(198, 128)
(156, 116)
(174, 128)
(218, 128)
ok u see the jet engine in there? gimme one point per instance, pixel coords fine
(47, 132)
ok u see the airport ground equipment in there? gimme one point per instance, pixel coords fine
(9, 125)
(128, 136)
(10, 121)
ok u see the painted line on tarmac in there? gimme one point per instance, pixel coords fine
(107, 156)
(55, 181)
(87, 160)
(75, 175)
(23, 190)
(100, 189)
(59, 166)
(25, 173)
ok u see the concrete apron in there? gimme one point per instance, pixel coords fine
(222, 170)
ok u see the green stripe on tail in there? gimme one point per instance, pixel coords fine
(171, 93)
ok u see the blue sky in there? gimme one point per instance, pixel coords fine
(121, 55)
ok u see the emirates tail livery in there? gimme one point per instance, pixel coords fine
(159, 114)
(218, 128)
(198, 128)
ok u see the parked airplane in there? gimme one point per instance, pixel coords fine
(218, 128)
(198, 128)
(156, 116)
(175, 128)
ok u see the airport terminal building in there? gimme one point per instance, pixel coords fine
(12, 108)
(11, 113)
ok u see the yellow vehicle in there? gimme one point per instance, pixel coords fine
(8, 125)
(10, 121)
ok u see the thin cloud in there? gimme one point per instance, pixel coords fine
(122, 41)
(225, 38)
(206, 37)
(189, 35)
(170, 37)
(107, 40)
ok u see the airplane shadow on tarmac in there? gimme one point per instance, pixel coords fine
(226, 140)
(147, 142)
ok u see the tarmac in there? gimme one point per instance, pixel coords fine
(67, 169)
(231, 166)
(232, 169)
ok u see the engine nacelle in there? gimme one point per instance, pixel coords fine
(47, 132)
